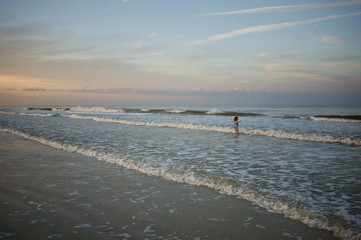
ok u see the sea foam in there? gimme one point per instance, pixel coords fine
(95, 109)
(328, 119)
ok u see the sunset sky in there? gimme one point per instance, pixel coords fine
(124, 52)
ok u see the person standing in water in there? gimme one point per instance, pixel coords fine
(236, 125)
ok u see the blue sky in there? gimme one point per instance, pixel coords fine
(180, 52)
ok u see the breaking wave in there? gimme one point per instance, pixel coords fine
(193, 112)
(225, 186)
(135, 110)
(336, 118)
(95, 109)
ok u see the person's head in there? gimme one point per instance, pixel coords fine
(235, 118)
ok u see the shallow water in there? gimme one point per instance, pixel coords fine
(48, 193)
(286, 160)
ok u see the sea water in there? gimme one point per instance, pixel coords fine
(303, 163)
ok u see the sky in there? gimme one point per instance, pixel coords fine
(180, 52)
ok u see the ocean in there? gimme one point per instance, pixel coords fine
(300, 163)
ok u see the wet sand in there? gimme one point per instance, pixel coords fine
(48, 193)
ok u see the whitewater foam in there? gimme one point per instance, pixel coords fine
(29, 114)
(225, 186)
(302, 137)
(214, 112)
(175, 111)
(153, 124)
(95, 109)
(327, 119)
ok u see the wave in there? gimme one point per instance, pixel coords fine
(47, 109)
(95, 110)
(193, 112)
(258, 132)
(175, 111)
(189, 126)
(302, 137)
(135, 110)
(75, 109)
(336, 118)
(225, 186)
(32, 114)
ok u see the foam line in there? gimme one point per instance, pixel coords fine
(153, 124)
(336, 119)
(303, 137)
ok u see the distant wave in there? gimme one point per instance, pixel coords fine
(95, 109)
(76, 109)
(47, 109)
(194, 112)
(31, 114)
(259, 132)
(225, 186)
(336, 118)
(153, 124)
(135, 110)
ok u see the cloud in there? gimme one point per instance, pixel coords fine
(100, 90)
(270, 27)
(288, 8)
(136, 46)
(331, 39)
(280, 68)
(263, 54)
(153, 54)
(303, 73)
(350, 65)
(152, 35)
(34, 89)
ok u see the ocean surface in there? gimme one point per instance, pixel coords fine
(301, 162)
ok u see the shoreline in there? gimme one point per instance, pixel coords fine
(50, 193)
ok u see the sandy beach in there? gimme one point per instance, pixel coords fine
(48, 193)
